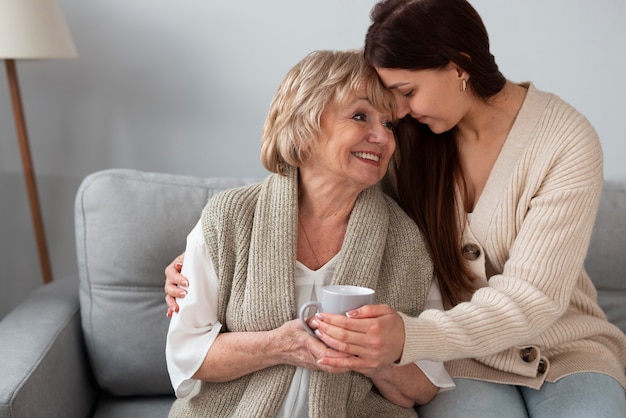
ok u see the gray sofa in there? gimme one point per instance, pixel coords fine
(94, 346)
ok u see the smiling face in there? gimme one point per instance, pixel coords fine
(433, 97)
(356, 145)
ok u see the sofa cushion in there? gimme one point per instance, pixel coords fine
(606, 259)
(129, 226)
(133, 406)
(45, 371)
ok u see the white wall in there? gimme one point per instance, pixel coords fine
(183, 87)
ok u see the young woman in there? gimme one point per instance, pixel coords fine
(504, 181)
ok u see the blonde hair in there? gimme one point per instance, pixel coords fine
(322, 78)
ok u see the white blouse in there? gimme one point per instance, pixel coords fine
(194, 328)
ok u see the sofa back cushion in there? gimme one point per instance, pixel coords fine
(606, 259)
(129, 226)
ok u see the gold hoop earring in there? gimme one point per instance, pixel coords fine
(463, 84)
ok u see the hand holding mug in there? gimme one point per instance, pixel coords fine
(337, 299)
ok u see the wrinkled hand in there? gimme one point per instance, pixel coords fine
(173, 279)
(299, 348)
(373, 335)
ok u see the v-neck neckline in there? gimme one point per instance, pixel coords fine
(512, 150)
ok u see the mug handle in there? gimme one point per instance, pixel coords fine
(304, 309)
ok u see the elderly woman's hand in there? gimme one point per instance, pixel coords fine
(299, 348)
(372, 334)
(173, 279)
(236, 354)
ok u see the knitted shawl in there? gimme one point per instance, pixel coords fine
(251, 233)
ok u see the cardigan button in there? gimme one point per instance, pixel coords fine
(471, 251)
(541, 368)
(528, 354)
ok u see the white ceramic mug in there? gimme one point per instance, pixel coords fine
(337, 299)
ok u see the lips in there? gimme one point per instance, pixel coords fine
(367, 156)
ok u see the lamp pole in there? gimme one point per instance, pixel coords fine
(29, 172)
(32, 29)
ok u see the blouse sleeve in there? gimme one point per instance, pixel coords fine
(434, 370)
(194, 328)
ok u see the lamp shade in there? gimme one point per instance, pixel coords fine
(34, 29)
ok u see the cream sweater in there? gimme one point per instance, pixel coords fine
(535, 316)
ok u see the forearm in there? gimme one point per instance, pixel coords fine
(236, 354)
(404, 385)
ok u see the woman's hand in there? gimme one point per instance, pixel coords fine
(236, 354)
(403, 385)
(372, 334)
(298, 348)
(173, 279)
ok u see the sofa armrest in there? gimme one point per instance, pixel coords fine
(45, 369)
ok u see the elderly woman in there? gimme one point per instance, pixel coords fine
(259, 252)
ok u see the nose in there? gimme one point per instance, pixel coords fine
(381, 135)
(403, 108)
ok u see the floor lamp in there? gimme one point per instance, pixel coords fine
(31, 29)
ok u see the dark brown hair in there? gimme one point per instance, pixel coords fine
(429, 34)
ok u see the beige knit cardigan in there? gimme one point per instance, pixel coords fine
(251, 233)
(535, 316)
